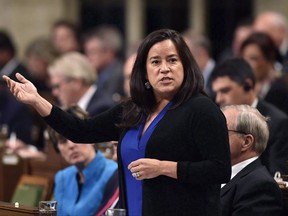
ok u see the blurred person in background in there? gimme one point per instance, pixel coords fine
(200, 47)
(9, 63)
(275, 25)
(103, 46)
(251, 190)
(72, 80)
(241, 32)
(89, 186)
(65, 36)
(233, 82)
(16, 124)
(127, 71)
(38, 55)
(260, 52)
(18, 119)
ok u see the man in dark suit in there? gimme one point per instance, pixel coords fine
(233, 82)
(200, 47)
(251, 190)
(15, 117)
(103, 46)
(72, 79)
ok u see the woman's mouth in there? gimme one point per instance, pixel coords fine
(165, 80)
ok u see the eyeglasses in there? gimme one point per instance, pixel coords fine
(236, 131)
(58, 85)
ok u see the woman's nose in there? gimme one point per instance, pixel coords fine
(164, 68)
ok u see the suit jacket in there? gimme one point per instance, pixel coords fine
(252, 192)
(275, 157)
(110, 80)
(278, 95)
(194, 135)
(16, 116)
(99, 102)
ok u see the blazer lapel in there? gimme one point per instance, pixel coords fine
(250, 167)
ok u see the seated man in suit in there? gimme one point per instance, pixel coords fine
(90, 185)
(72, 79)
(233, 82)
(251, 190)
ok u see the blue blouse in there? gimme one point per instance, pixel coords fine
(133, 148)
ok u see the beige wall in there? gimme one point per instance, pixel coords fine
(275, 5)
(28, 19)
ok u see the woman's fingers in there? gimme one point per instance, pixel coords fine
(21, 78)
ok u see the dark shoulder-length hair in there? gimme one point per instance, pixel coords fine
(265, 44)
(142, 101)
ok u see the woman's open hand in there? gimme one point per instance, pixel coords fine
(24, 91)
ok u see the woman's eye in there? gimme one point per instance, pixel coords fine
(154, 62)
(173, 60)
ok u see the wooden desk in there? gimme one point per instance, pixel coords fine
(9, 177)
(10, 174)
(9, 209)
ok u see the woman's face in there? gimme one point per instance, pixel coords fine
(76, 154)
(164, 70)
(253, 55)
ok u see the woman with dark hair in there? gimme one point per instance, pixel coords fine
(260, 51)
(173, 150)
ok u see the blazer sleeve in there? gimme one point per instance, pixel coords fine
(100, 128)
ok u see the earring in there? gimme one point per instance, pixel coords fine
(147, 85)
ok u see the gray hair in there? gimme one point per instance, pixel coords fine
(42, 48)
(109, 35)
(250, 121)
(197, 40)
(73, 65)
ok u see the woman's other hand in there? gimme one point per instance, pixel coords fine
(146, 168)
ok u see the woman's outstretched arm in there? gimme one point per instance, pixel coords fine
(25, 92)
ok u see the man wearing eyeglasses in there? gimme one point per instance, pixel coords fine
(251, 190)
(233, 82)
(72, 79)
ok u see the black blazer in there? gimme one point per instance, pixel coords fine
(194, 135)
(275, 157)
(252, 192)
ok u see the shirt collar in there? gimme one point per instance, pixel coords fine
(208, 70)
(9, 67)
(84, 100)
(239, 166)
(255, 103)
